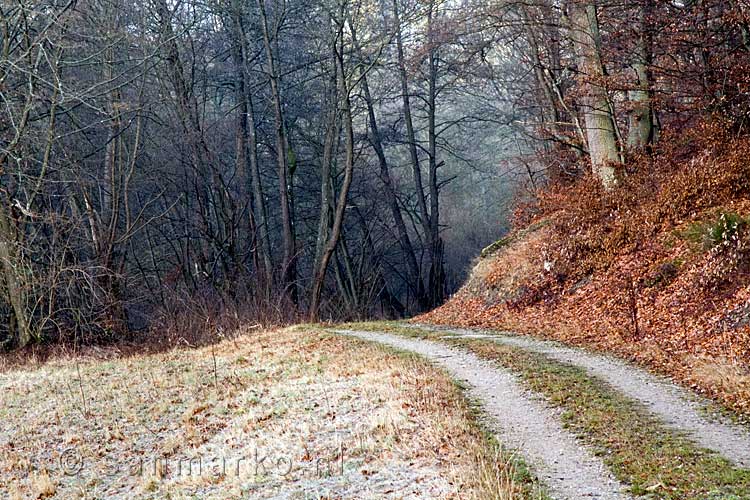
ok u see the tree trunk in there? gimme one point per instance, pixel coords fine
(289, 259)
(332, 129)
(108, 219)
(250, 146)
(600, 128)
(338, 219)
(641, 131)
(424, 215)
(16, 296)
(410, 135)
(554, 112)
(404, 241)
(437, 271)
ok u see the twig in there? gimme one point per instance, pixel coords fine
(634, 308)
(216, 371)
(80, 385)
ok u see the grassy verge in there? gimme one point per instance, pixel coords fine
(498, 468)
(495, 474)
(335, 417)
(499, 473)
(654, 460)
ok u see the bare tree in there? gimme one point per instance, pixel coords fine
(289, 258)
(338, 45)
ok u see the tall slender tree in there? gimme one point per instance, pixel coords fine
(597, 111)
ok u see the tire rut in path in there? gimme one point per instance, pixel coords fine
(677, 407)
(524, 422)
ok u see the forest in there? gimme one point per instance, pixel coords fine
(175, 165)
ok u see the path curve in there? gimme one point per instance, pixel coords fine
(677, 407)
(524, 422)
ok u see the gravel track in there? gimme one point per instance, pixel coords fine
(523, 421)
(677, 407)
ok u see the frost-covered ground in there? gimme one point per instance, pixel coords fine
(294, 413)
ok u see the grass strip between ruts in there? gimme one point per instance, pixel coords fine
(642, 452)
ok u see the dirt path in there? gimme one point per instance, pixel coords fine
(523, 421)
(676, 407)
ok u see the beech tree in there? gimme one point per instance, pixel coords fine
(597, 108)
(642, 122)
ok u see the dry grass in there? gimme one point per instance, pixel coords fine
(42, 485)
(497, 279)
(722, 376)
(334, 418)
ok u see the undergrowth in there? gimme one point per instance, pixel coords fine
(657, 269)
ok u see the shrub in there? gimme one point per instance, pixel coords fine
(721, 230)
(725, 229)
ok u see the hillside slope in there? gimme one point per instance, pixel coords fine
(657, 270)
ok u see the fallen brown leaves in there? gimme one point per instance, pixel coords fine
(613, 270)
